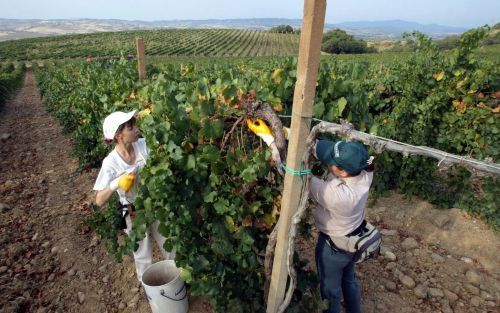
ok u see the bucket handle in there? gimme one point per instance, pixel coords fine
(162, 293)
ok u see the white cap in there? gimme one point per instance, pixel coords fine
(113, 121)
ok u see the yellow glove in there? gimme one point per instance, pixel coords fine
(125, 182)
(260, 128)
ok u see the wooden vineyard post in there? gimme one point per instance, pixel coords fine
(141, 58)
(305, 88)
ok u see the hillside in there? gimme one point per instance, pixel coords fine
(16, 28)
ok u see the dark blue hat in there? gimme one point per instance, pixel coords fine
(350, 156)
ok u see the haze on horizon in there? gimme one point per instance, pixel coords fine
(460, 13)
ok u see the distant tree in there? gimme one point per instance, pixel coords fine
(281, 29)
(496, 26)
(339, 42)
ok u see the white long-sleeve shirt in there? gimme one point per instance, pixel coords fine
(114, 166)
(341, 202)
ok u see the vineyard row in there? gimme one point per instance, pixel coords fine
(186, 42)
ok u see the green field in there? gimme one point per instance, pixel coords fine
(178, 42)
(181, 45)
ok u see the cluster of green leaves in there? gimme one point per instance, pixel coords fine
(445, 101)
(344, 90)
(11, 77)
(81, 95)
(212, 201)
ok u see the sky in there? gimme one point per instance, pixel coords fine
(462, 13)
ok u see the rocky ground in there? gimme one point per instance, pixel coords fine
(432, 261)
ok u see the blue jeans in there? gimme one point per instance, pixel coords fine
(336, 272)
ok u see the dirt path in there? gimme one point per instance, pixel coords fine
(434, 261)
(50, 262)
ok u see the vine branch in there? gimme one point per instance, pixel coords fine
(380, 144)
(226, 137)
(265, 112)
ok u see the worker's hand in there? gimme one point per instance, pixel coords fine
(124, 182)
(260, 128)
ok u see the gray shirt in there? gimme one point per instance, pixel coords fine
(341, 202)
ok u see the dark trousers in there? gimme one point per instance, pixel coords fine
(336, 272)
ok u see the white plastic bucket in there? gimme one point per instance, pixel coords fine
(164, 288)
